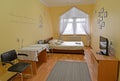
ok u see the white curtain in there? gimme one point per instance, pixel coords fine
(63, 25)
(74, 26)
(87, 30)
(74, 13)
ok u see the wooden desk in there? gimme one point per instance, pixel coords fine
(36, 64)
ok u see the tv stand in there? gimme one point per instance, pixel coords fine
(101, 67)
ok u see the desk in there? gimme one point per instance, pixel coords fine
(36, 56)
(41, 45)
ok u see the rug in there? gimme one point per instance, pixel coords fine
(69, 71)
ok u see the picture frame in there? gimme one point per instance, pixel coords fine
(99, 14)
(102, 10)
(103, 24)
(40, 21)
(100, 26)
(105, 14)
(98, 21)
(102, 14)
(101, 18)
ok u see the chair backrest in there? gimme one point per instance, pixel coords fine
(9, 56)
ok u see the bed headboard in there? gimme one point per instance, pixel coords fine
(48, 39)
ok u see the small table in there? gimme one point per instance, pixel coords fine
(36, 56)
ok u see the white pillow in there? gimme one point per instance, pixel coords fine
(58, 43)
(53, 41)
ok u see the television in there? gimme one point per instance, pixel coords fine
(103, 45)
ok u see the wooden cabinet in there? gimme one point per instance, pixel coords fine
(101, 67)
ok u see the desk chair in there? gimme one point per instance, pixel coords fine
(9, 57)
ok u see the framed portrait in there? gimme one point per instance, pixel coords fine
(98, 21)
(101, 18)
(99, 14)
(102, 10)
(100, 26)
(105, 14)
(103, 24)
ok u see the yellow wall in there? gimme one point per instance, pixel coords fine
(20, 20)
(112, 25)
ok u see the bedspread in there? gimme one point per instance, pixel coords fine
(68, 45)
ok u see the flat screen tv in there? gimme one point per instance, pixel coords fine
(103, 45)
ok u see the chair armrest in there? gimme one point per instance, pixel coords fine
(4, 63)
(22, 54)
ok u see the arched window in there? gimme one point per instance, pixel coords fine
(74, 22)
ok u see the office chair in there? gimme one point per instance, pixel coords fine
(9, 57)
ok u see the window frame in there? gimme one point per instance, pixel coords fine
(74, 21)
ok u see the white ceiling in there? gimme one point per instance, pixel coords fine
(66, 2)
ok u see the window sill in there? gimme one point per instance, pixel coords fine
(75, 35)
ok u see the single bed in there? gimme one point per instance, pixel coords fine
(59, 46)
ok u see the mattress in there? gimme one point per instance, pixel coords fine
(67, 45)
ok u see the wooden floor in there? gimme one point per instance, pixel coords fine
(45, 68)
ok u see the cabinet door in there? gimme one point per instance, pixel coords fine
(107, 70)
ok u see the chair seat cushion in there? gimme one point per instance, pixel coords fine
(19, 67)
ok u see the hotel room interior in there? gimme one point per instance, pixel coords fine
(34, 24)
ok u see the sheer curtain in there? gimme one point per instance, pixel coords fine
(87, 30)
(63, 25)
(74, 13)
(74, 26)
